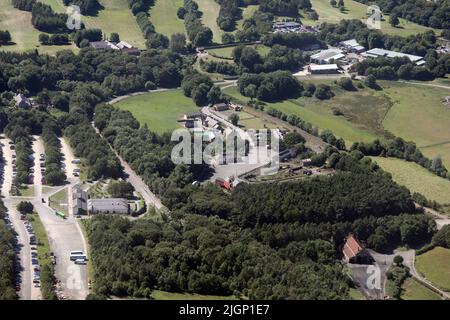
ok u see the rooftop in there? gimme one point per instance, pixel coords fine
(378, 52)
(328, 54)
(351, 247)
(332, 66)
(108, 203)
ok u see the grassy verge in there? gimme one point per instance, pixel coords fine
(27, 191)
(413, 290)
(59, 198)
(434, 265)
(45, 263)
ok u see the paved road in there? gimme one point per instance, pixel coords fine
(258, 156)
(27, 289)
(440, 219)
(65, 236)
(139, 185)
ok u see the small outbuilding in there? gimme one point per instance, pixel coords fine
(354, 252)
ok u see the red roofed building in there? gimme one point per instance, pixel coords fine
(354, 252)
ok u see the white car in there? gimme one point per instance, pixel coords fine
(80, 261)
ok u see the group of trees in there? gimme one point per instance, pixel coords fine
(293, 40)
(87, 7)
(279, 58)
(229, 14)
(222, 67)
(148, 154)
(428, 13)
(401, 149)
(54, 39)
(82, 37)
(7, 259)
(284, 8)
(401, 68)
(87, 144)
(200, 88)
(54, 175)
(22, 145)
(294, 120)
(278, 85)
(198, 34)
(43, 17)
(5, 37)
(264, 241)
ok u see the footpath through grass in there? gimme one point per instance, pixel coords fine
(413, 290)
(435, 266)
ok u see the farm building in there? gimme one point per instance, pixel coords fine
(220, 106)
(352, 46)
(286, 26)
(323, 68)
(377, 52)
(108, 205)
(327, 56)
(127, 48)
(354, 252)
(101, 45)
(22, 102)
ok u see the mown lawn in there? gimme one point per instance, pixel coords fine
(419, 115)
(413, 290)
(435, 266)
(228, 51)
(356, 10)
(164, 295)
(23, 33)
(164, 17)
(159, 110)
(210, 9)
(416, 178)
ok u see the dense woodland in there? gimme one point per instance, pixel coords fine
(257, 242)
(7, 258)
(198, 34)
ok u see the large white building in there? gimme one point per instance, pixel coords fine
(377, 52)
(352, 46)
(327, 56)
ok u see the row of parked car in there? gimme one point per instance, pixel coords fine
(34, 254)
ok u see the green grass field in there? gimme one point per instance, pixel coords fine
(434, 265)
(160, 110)
(164, 16)
(23, 34)
(356, 10)
(164, 295)
(413, 290)
(416, 178)
(319, 113)
(210, 9)
(115, 17)
(419, 115)
(228, 51)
